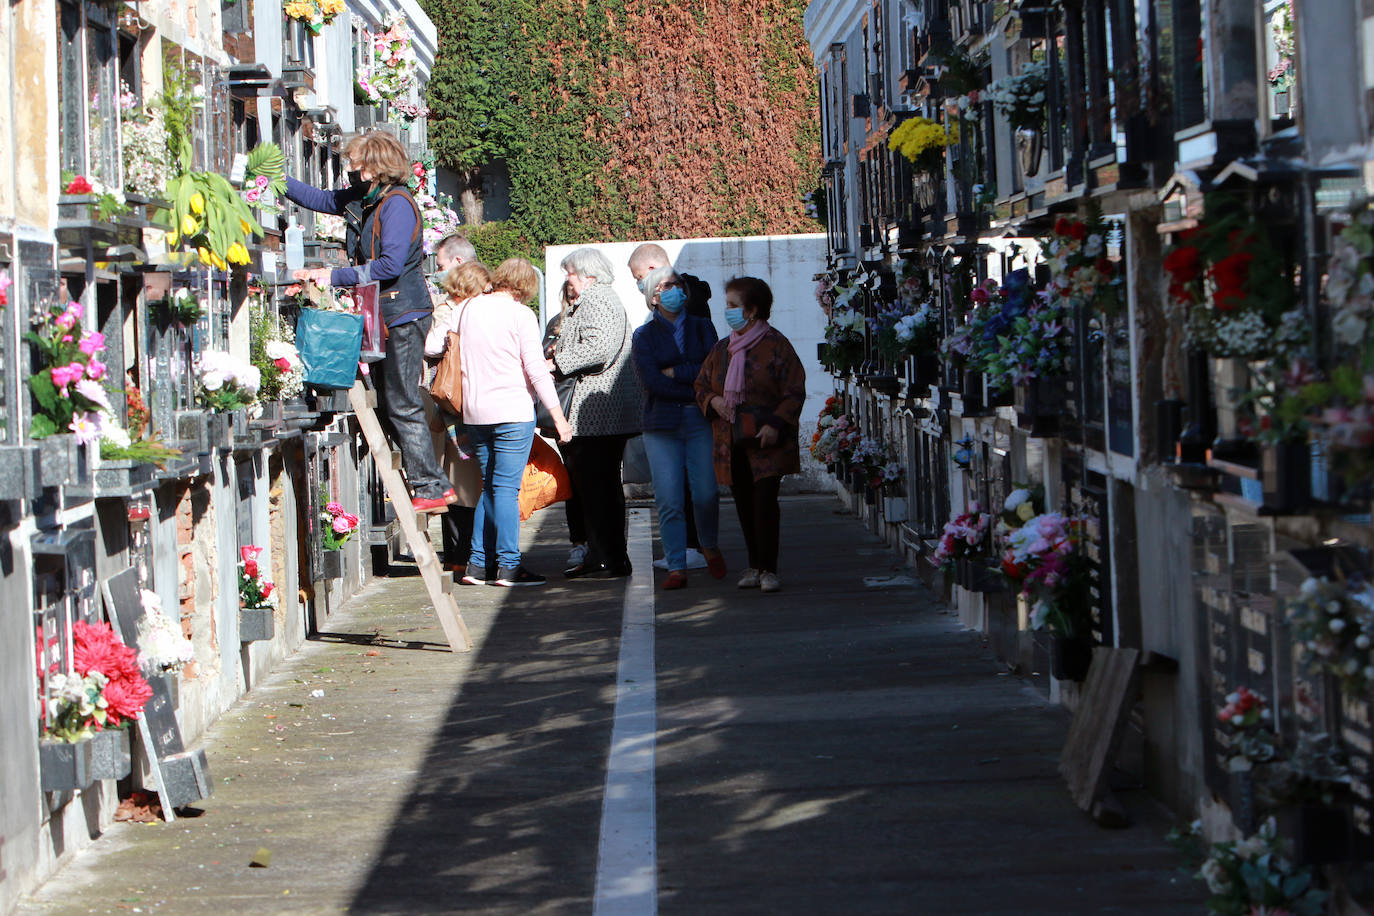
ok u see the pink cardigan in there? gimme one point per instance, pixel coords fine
(503, 358)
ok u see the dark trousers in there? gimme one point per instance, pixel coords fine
(594, 465)
(399, 400)
(572, 508)
(457, 528)
(756, 502)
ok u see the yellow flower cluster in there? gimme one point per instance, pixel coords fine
(916, 136)
(314, 10)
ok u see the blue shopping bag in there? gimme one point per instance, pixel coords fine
(329, 344)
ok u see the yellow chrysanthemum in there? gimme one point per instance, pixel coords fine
(917, 136)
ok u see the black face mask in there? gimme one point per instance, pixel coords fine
(355, 178)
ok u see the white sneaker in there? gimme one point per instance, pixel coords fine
(661, 563)
(695, 559)
(750, 579)
(577, 555)
(769, 582)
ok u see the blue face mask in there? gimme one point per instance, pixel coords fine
(641, 281)
(672, 299)
(735, 319)
(437, 278)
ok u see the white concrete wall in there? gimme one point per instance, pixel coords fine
(786, 262)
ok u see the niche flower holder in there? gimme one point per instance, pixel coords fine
(256, 605)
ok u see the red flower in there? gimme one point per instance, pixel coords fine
(1230, 275)
(1183, 263)
(250, 568)
(1078, 231)
(267, 590)
(282, 363)
(125, 698)
(1105, 266)
(79, 185)
(1062, 226)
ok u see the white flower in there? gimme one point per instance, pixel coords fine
(86, 426)
(1095, 245)
(150, 600)
(213, 381)
(1362, 641)
(1336, 624)
(115, 434)
(94, 392)
(1016, 498)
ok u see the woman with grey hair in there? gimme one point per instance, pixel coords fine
(668, 351)
(594, 348)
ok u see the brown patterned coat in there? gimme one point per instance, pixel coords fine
(774, 381)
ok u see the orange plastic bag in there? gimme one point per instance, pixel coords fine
(545, 481)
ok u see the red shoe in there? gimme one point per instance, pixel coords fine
(715, 565)
(675, 580)
(441, 504)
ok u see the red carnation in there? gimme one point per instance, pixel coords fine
(1078, 231)
(1183, 263)
(250, 568)
(1230, 275)
(125, 698)
(267, 590)
(1062, 226)
(79, 185)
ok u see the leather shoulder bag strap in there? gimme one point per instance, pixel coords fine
(377, 229)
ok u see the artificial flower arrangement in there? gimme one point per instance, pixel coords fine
(68, 387)
(1076, 255)
(1029, 337)
(1250, 723)
(143, 144)
(436, 210)
(339, 525)
(1234, 289)
(835, 438)
(264, 178)
(1251, 877)
(964, 535)
(825, 293)
(844, 339)
(392, 72)
(109, 202)
(404, 111)
(183, 307)
(272, 349)
(1021, 505)
(968, 341)
(211, 216)
(225, 382)
(1021, 98)
(330, 228)
(315, 14)
(255, 589)
(876, 462)
(317, 296)
(1333, 625)
(5, 283)
(923, 141)
(103, 689)
(136, 443)
(162, 647)
(1045, 559)
(901, 330)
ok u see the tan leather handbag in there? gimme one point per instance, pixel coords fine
(447, 387)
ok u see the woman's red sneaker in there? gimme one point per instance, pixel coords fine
(675, 580)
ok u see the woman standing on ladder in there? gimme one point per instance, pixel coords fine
(386, 248)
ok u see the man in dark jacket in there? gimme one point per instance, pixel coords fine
(645, 259)
(650, 256)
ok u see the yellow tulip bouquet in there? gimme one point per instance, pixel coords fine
(211, 217)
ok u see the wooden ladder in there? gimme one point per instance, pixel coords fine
(388, 462)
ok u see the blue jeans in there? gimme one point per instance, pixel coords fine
(684, 452)
(502, 451)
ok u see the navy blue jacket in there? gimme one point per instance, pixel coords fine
(653, 350)
(397, 267)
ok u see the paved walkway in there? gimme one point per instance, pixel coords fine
(831, 750)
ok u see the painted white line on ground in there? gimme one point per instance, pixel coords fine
(627, 856)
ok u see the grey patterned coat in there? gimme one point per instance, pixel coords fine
(608, 403)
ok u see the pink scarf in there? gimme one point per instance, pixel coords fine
(734, 374)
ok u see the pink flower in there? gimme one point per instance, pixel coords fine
(66, 319)
(252, 195)
(250, 553)
(334, 508)
(341, 525)
(282, 363)
(86, 426)
(62, 376)
(96, 370)
(67, 338)
(92, 342)
(352, 519)
(261, 181)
